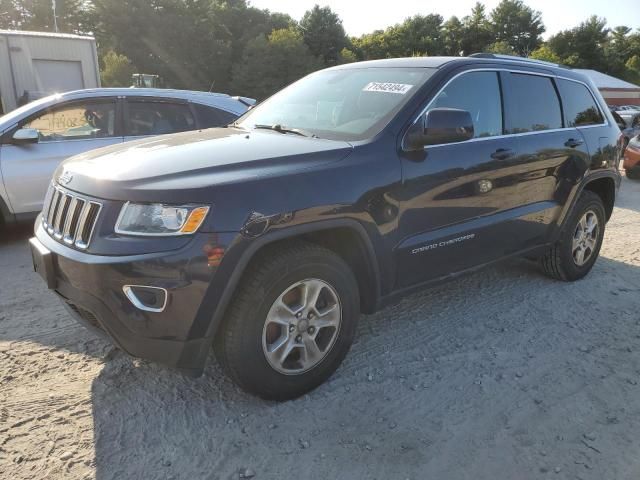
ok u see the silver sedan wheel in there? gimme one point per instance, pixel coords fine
(302, 326)
(585, 238)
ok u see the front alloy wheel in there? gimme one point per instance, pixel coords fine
(301, 326)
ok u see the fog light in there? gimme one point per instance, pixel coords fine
(149, 299)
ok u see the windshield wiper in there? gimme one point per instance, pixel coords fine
(282, 129)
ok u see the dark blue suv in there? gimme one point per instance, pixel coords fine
(354, 185)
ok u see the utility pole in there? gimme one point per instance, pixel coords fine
(55, 18)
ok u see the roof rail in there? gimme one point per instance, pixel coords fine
(515, 58)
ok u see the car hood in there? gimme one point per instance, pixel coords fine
(190, 163)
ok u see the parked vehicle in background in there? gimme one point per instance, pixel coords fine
(145, 80)
(336, 195)
(632, 158)
(627, 132)
(629, 107)
(630, 114)
(36, 64)
(35, 138)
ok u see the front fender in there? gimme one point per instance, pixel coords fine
(243, 249)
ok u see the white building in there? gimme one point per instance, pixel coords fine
(33, 64)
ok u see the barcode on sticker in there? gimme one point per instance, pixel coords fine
(400, 88)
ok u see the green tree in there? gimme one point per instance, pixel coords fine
(417, 35)
(546, 54)
(633, 69)
(324, 34)
(583, 46)
(116, 70)
(518, 25)
(347, 56)
(617, 50)
(73, 16)
(502, 47)
(477, 34)
(11, 16)
(172, 38)
(191, 44)
(371, 46)
(270, 63)
(453, 36)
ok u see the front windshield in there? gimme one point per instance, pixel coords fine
(345, 104)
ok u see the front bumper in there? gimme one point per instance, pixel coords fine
(91, 287)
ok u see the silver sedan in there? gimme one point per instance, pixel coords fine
(35, 138)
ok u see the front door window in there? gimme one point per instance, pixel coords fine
(76, 121)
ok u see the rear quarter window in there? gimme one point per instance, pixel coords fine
(580, 108)
(209, 117)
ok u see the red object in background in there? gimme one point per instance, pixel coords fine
(632, 157)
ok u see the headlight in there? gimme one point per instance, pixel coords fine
(158, 219)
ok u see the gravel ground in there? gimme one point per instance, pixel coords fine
(503, 374)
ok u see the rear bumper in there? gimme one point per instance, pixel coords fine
(91, 287)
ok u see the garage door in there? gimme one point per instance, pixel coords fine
(58, 75)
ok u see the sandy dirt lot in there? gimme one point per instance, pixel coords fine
(503, 374)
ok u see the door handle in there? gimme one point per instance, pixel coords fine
(502, 154)
(573, 143)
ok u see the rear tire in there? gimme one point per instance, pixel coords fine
(298, 298)
(578, 247)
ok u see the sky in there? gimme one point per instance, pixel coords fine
(364, 16)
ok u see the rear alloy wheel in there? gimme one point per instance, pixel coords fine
(585, 238)
(291, 322)
(577, 249)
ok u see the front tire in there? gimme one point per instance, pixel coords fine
(291, 322)
(578, 247)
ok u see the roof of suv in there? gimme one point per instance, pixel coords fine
(476, 59)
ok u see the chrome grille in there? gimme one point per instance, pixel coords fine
(69, 218)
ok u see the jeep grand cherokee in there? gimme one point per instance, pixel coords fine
(356, 184)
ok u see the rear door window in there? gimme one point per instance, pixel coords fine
(157, 118)
(532, 104)
(580, 108)
(479, 94)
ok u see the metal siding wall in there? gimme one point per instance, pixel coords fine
(6, 80)
(26, 48)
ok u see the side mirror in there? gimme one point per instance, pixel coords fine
(438, 126)
(621, 125)
(25, 136)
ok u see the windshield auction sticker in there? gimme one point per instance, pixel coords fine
(400, 88)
